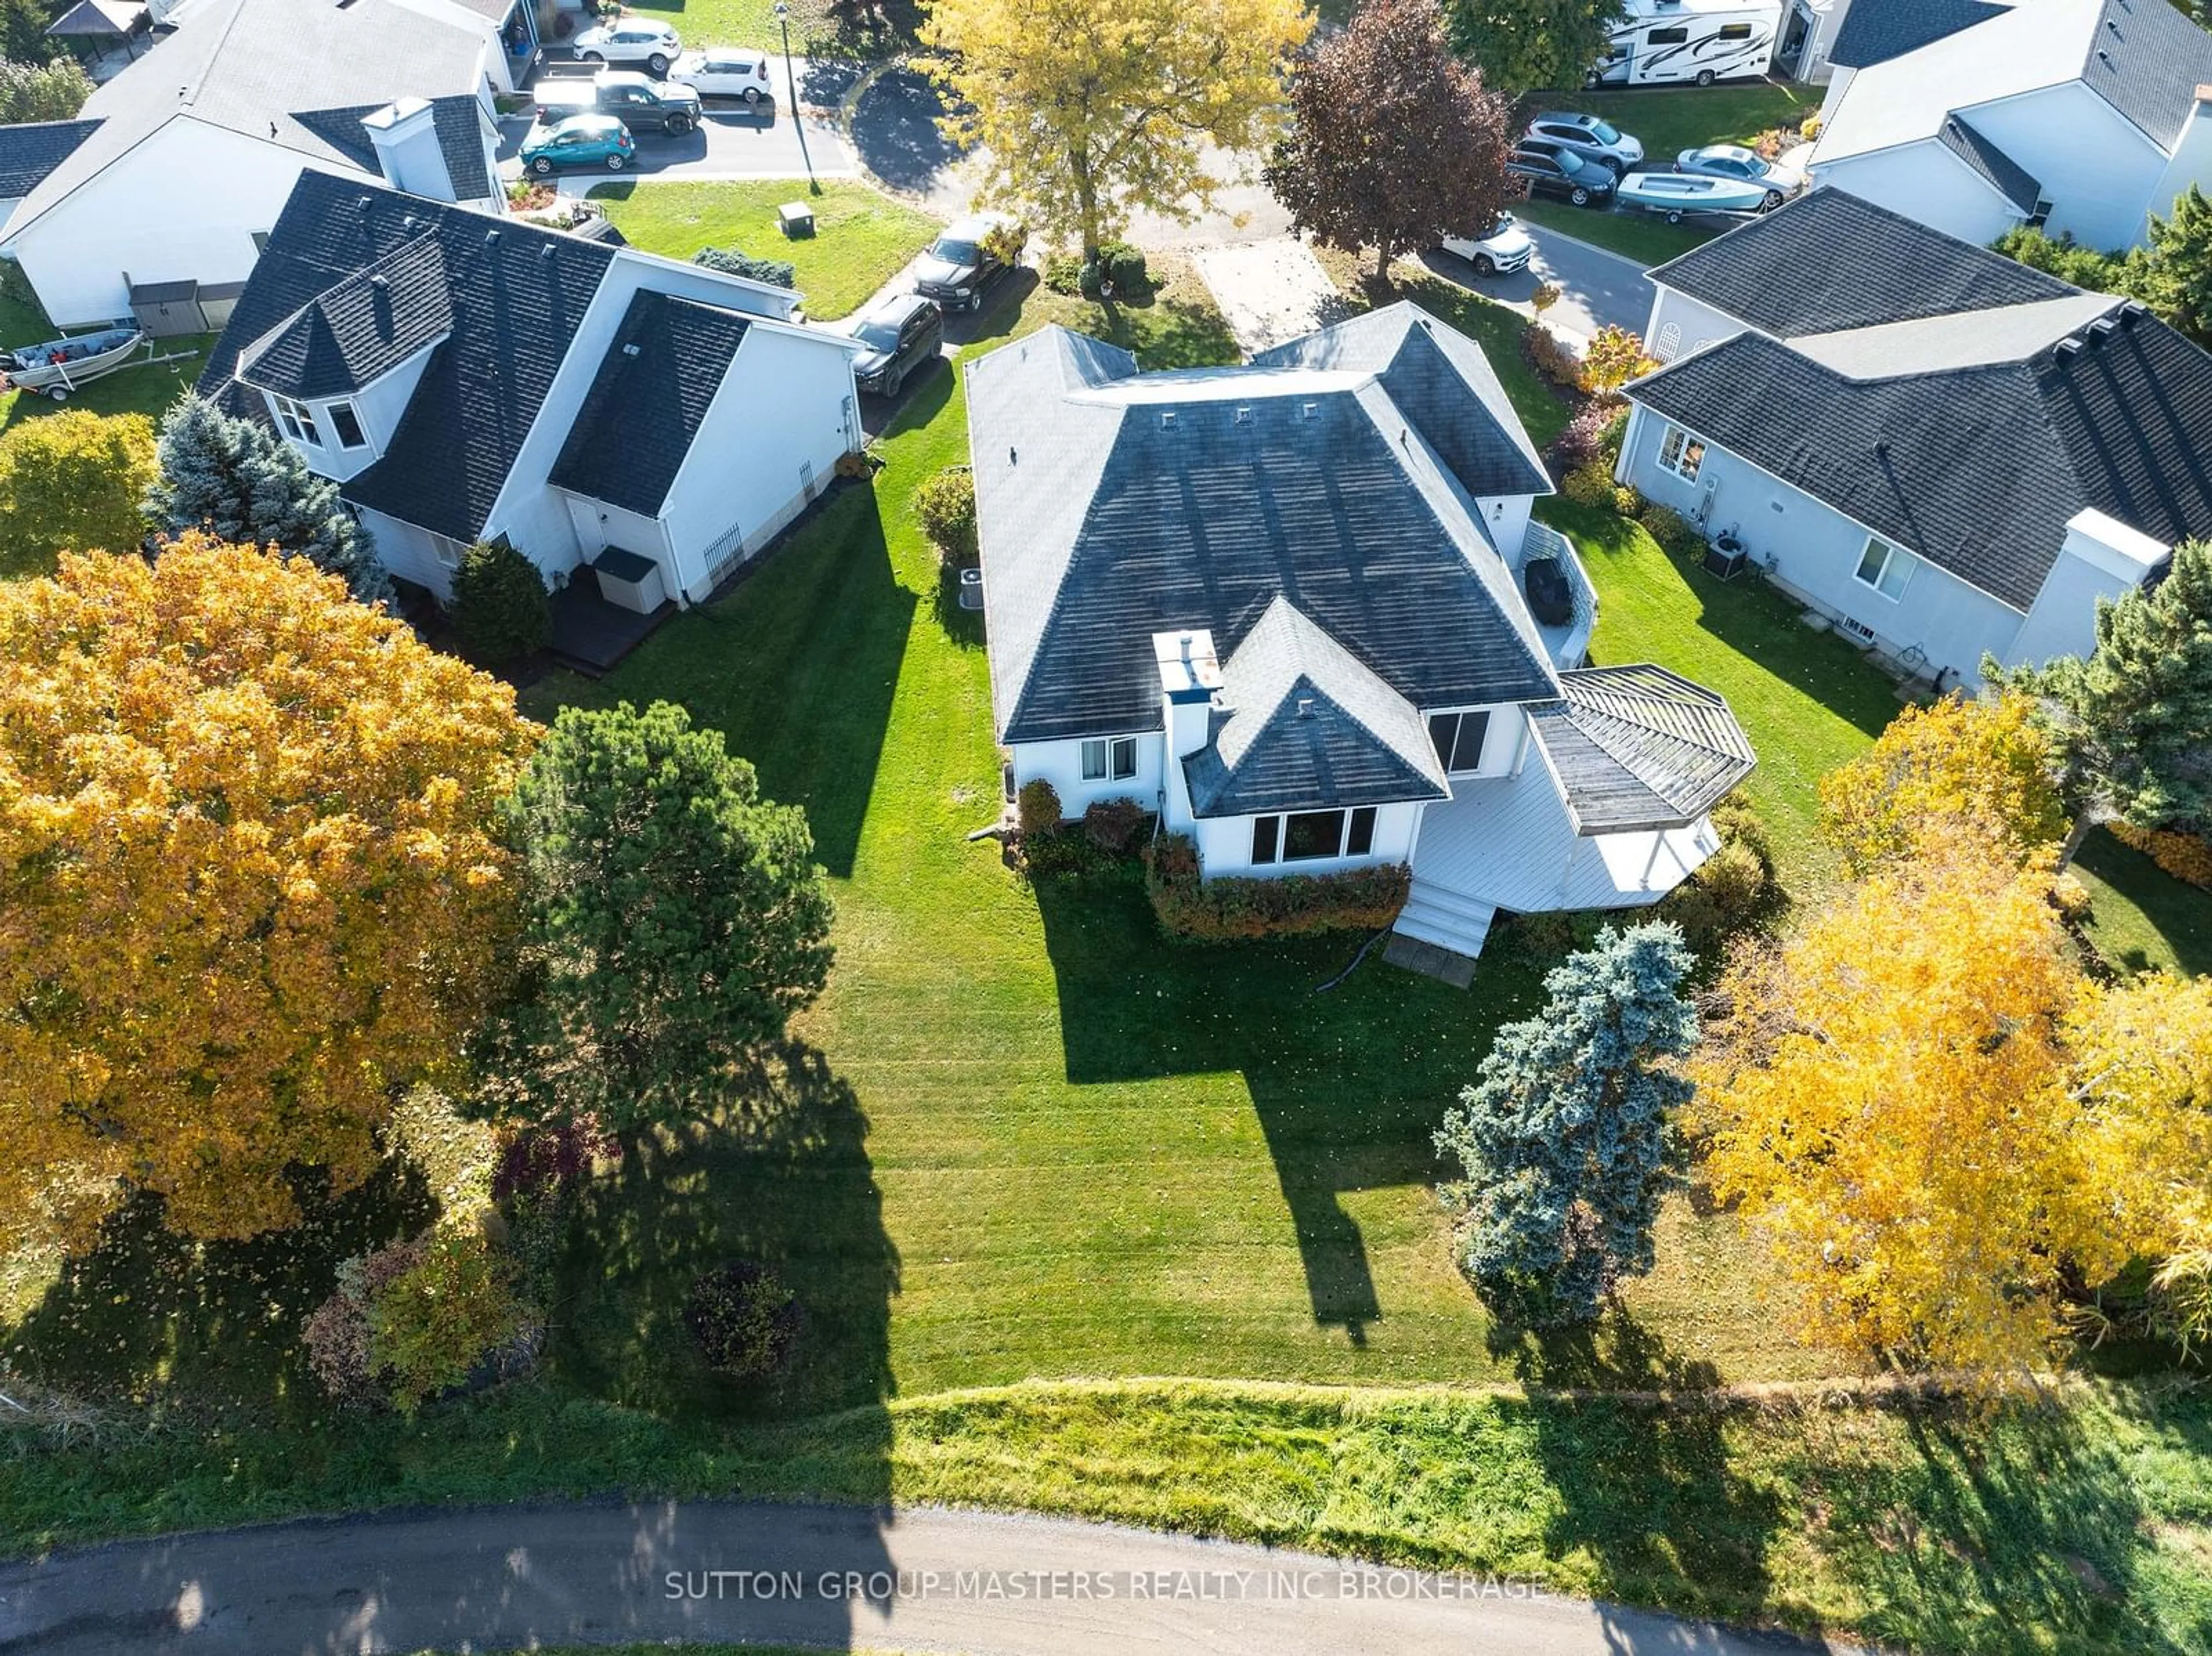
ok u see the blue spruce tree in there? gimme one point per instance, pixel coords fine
(1567, 1136)
(240, 480)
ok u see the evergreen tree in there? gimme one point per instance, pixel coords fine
(240, 481)
(23, 37)
(2179, 285)
(1566, 1136)
(499, 606)
(2134, 721)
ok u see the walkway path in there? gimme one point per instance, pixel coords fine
(922, 1578)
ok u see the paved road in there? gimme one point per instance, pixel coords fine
(926, 1579)
(1597, 288)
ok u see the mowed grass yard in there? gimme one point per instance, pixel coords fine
(140, 389)
(861, 236)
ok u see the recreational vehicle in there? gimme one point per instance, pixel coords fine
(1669, 41)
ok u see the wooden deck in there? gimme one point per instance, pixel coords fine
(591, 636)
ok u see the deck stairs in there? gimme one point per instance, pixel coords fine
(1445, 919)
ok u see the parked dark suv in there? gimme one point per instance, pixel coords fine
(902, 333)
(972, 256)
(1554, 170)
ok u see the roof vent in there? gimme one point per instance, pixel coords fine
(546, 251)
(1243, 414)
(378, 281)
(1167, 420)
(2103, 326)
(2069, 348)
(491, 237)
(2105, 57)
(2132, 312)
(1310, 409)
(409, 222)
(364, 202)
(1305, 706)
(630, 349)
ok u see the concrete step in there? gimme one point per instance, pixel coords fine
(1445, 919)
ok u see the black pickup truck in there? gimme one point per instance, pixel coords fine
(642, 102)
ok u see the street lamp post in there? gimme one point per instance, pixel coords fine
(791, 80)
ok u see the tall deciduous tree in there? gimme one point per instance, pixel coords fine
(1567, 1136)
(43, 91)
(1525, 46)
(1090, 108)
(237, 480)
(249, 881)
(674, 918)
(71, 482)
(2134, 721)
(1991, 762)
(1394, 144)
(1886, 1092)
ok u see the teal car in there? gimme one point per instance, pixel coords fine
(580, 140)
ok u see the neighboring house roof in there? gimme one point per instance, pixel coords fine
(1636, 749)
(2143, 57)
(1875, 31)
(1114, 505)
(1977, 464)
(1303, 724)
(287, 72)
(1442, 382)
(358, 331)
(98, 19)
(1990, 164)
(1831, 260)
(646, 405)
(459, 118)
(30, 151)
(517, 293)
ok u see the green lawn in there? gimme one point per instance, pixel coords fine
(2140, 917)
(861, 28)
(146, 389)
(1670, 119)
(861, 236)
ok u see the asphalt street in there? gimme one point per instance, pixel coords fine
(923, 1579)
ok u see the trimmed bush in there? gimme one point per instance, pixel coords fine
(2187, 857)
(432, 1325)
(944, 506)
(1553, 359)
(1036, 807)
(1063, 273)
(1291, 905)
(1115, 825)
(775, 272)
(744, 1320)
(1590, 485)
(1626, 501)
(1669, 528)
(500, 609)
(1734, 889)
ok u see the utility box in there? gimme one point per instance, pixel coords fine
(629, 581)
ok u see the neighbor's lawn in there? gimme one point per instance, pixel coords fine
(2142, 919)
(1670, 119)
(146, 390)
(861, 236)
(859, 28)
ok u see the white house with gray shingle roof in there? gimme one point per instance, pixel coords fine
(177, 168)
(1944, 452)
(2086, 116)
(1292, 607)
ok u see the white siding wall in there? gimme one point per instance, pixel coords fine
(1815, 554)
(1506, 518)
(2097, 168)
(185, 204)
(1679, 324)
(1840, 83)
(1927, 182)
(409, 553)
(1061, 763)
(1225, 845)
(2191, 164)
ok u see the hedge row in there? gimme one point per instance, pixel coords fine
(1290, 905)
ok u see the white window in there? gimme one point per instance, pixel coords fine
(347, 424)
(1309, 836)
(298, 420)
(1112, 757)
(1884, 567)
(1682, 454)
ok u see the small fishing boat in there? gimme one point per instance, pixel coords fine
(60, 365)
(1676, 193)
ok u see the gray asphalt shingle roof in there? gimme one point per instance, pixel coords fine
(1976, 467)
(359, 330)
(1637, 748)
(1875, 31)
(32, 150)
(2147, 60)
(646, 403)
(1304, 725)
(1989, 162)
(1832, 260)
(1113, 505)
(297, 66)
(458, 120)
(517, 294)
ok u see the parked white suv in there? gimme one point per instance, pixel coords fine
(1502, 251)
(638, 40)
(727, 72)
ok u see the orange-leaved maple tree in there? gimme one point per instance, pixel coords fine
(249, 883)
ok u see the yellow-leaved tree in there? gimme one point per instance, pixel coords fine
(1888, 1091)
(1088, 108)
(1988, 759)
(249, 883)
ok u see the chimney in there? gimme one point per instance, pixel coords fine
(1189, 675)
(407, 150)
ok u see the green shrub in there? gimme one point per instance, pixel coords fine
(775, 272)
(1669, 528)
(1552, 358)
(1735, 888)
(499, 607)
(1036, 807)
(744, 1320)
(944, 506)
(1291, 904)
(1590, 485)
(1115, 825)
(1063, 273)
(1626, 501)
(433, 1325)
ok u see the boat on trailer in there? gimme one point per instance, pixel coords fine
(1674, 194)
(60, 365)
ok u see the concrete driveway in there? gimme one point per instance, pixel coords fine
(1597, 288)
(922, 1578)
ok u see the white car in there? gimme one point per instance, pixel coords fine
(1504, 250)
(726, 72)
(1741, 165)
(631, 40)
